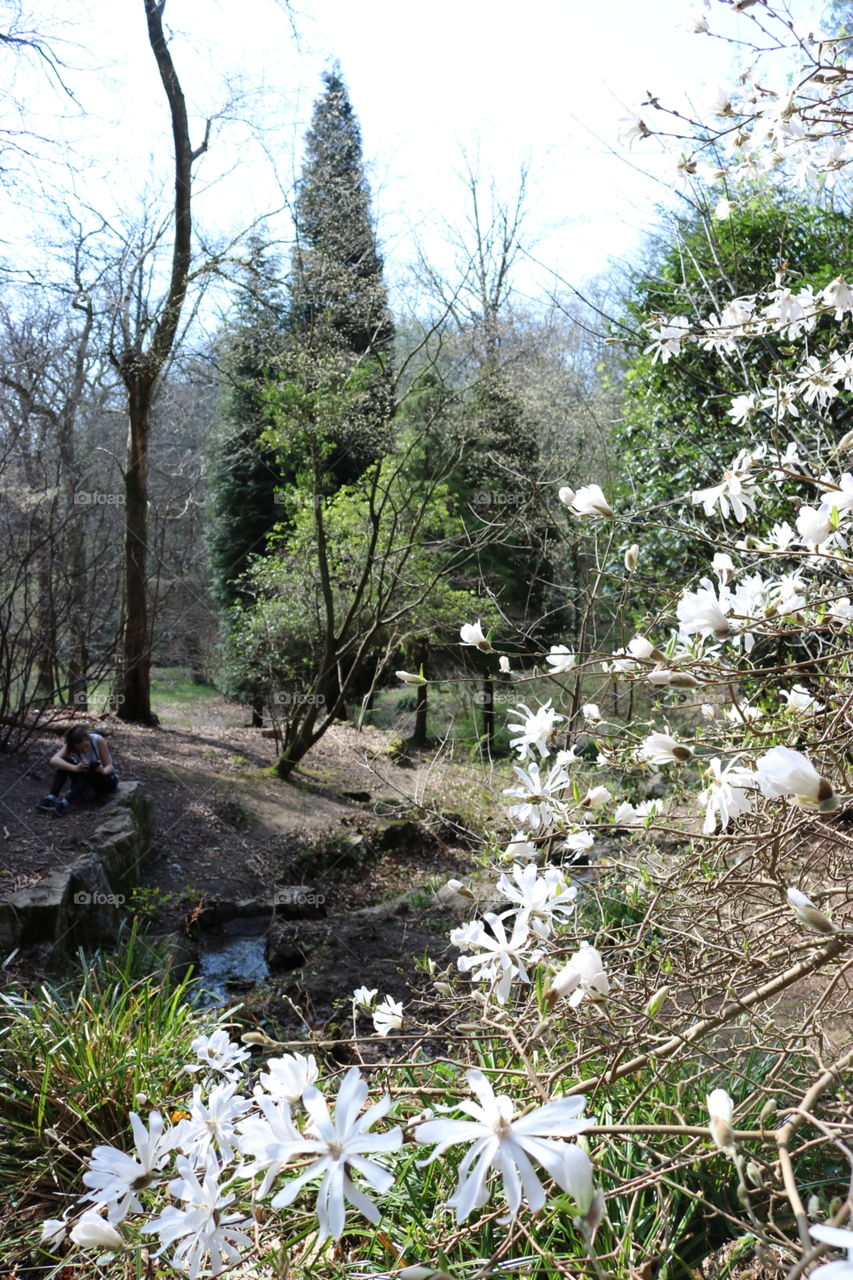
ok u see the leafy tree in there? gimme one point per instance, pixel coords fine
(677, 433)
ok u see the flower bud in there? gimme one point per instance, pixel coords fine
(632, 557)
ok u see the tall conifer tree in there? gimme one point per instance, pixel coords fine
(340, 322)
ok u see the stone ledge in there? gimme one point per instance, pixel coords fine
(82, 904)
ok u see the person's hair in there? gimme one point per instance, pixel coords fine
(75, 736)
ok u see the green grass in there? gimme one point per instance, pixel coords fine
(74, 1059)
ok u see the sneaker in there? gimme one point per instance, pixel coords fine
(60, 805)
(49, 802)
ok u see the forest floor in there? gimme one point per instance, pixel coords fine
(353, 826)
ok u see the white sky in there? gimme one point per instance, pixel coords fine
(544, 83)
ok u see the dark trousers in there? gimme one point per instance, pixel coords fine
(82, 783)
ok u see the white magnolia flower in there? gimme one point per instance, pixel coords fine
(675, 679)
(218, 1052)
(839, 1238)
(839, 295)
(591, 712)
(472, 633)
(91, 1231)
(743, 713)
(561, 660)
(785, 772)
(841, 611)
(588, 501)
(539, 899)
(363, 998)
(202, 1226)
(667, 337)
(801, 702)
(343, 1146)
(579, 843)
(708, 711)
(723, 566)
(703, 612)
(807, 913)
(520, 846)
(727, 795)
(720, 1112)
(735, 493)
(595, 798)
(814, 525)
(503, 664)
(409, 677)
(115, 1177)
(626, 815)
(501, 1140)
(594, 983)
(537, 729)
(661, 748)
(211, 1124)
(269, 1141)
(642, 648)
(502, 958)
(287, 1078)
(537, 800)
(632, 557)
(388, 1016)
(54, 1231)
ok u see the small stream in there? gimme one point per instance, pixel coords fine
(232, 959)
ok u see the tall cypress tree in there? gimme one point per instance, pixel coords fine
(340, 322)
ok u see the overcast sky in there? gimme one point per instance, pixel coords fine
(542, 84)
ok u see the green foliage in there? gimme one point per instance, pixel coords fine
(75, 1056)
(677, 434)
(245, 470)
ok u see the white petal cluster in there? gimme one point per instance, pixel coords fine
(499, 1139)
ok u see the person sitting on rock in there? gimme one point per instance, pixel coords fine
(84, 762)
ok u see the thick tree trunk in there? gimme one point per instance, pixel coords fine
(135, 696)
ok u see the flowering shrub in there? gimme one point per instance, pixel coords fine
(643, 1048)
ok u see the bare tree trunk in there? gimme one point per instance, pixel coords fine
(139, 371)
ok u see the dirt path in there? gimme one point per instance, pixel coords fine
(228, 830)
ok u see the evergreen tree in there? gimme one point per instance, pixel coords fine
(340, 323)
(246, 474)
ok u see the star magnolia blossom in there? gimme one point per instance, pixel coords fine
(286, 1078)
(218, 1052)
(735, 493)
(502, 959)
(721, 1111)
(520, 846)
(839, 1239)
(587, 501)
(801, 702)
(594, 983)
(561, 660)
(472, 633)
(703, 612)
(501, 1140)
(537, 804)
(537, 730)
(785, 772)
(201, 1225)
(115, 1177)
(539, 899)
(91, 1231)
(342, 1146)
(660, 748)
(388, 1016)
(807, 913)
(727, 795)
